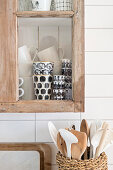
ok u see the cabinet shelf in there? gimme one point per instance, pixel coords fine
(38, 106)
(44, 14)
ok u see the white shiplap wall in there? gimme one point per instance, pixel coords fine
(98, 89)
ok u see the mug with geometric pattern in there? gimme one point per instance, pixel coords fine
(58, 82)
(44, 68)
(42, 86)
(58, 94)
(62, 5)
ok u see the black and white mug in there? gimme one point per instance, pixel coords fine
(58, 82)
(58, 94)
(66, 63)
(68, 94)
(42, 86)
(62, 5)
(67, 71)
(43, 68)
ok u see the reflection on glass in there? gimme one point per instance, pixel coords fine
(25, 5)
(19, 160)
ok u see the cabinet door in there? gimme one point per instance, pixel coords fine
(8, 56)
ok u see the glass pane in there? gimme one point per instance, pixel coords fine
(43, 43)
(19, 160)
(24, 5)
(44, 5)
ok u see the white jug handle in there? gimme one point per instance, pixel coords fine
(21, 81)
(36, 54)
(22, 92)
(61, 53)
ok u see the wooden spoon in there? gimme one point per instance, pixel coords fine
(84, 128)
(93, 129)
(79, 148)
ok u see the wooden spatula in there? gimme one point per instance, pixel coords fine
(69, 139)
(61, 144)
(78, 149)
(84, 128)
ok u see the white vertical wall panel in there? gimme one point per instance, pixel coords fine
(17, 131)
(65, 40)
(57, 116)
(98, 108)
(98, 2)
(99, 86)
(99, 63)
(17, 116)
(99, 39)
(98, 17)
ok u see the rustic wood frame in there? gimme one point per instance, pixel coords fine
(43, 149)
(9, 65)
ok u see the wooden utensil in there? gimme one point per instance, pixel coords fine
(92, 133)
(76, 152)
(61, 144)
(69, 139)
(53, 132)
(102, 140)
(84, 128)
(108, 140)
(98, 125)
(96, 136)
(95, 140)
(79, 148)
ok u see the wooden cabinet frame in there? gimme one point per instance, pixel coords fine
(9, 65)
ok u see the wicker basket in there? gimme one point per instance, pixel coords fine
(99, 163)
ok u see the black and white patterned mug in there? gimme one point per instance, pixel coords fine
(62, 5)
(66, 63)
(42, 86)
(43, 68)
(67, 72)
(66, 67)
(58, 94)
(68, 94)
(58, 82)
(58, 78)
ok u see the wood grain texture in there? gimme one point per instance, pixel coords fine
(35, 106)
(43, 149)
(61, 14)
(78, 53)
(8, 46)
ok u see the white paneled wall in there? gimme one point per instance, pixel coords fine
(98, 63)
(98, 89)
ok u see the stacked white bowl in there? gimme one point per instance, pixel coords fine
(25, 72)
